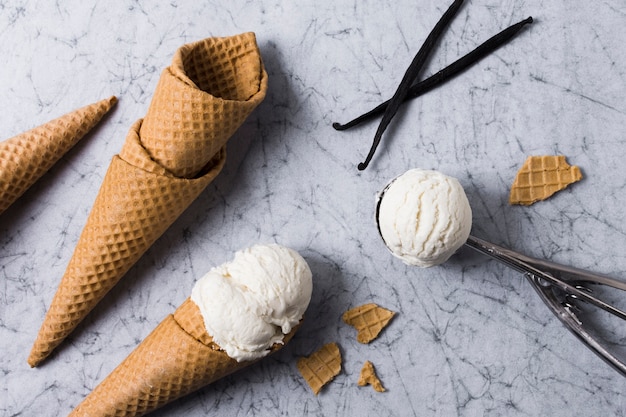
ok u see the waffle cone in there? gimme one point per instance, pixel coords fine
(181, 113)
(153, 179)
(28, 156)
(176, 359)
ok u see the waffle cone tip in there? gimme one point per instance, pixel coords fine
(28, 156)
(35, 357)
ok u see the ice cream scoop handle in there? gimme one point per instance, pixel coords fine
(546, 277)
(551, 273)
(569, 319)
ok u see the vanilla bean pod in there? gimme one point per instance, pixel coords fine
(446, 74)
(409, 77)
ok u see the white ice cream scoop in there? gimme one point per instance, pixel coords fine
(250, 303)
(424, 217)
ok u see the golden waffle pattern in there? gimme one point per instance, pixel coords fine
(321, 367)
(201, 100)
(190, 319)
(540, 177)
(28, 156)
(369, 320)
(133, 208)
(141, 196)
(170, 362)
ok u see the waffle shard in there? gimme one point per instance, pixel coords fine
(540, 177)
(321, 367)
(369, 320)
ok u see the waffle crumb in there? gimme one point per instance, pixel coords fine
(368, 377)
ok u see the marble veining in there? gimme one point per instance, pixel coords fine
(470, 338)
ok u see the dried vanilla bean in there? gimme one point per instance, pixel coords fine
(409, 77)
(446, 74)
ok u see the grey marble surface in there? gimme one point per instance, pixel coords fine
(470, 338)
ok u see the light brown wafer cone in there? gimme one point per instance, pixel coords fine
(232, 71)
(154, 179)
(176, 359)
(28, 156)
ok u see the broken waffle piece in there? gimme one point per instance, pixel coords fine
(321, 367)
(369, 320)
(368, 377)
(540, 177)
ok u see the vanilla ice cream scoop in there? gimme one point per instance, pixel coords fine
(424, 217)
(252, 302)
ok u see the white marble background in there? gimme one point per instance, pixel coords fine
(471, 338)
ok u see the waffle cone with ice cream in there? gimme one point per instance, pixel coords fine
(237, 314)
(167, 160)
(28, 156)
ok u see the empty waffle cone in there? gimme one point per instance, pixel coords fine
(167, 160)
(540, 177)
(28, 156)
(176, 359)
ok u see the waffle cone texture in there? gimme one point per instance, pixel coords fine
(540, 177)
(369, 320)
(28, 156)
(321, 367)
(167, 160)
(176, 359)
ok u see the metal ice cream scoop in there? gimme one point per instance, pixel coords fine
(559, 286)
